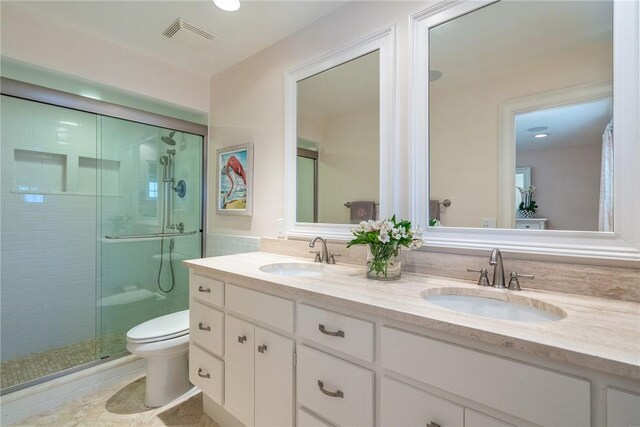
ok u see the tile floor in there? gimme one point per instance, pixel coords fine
(123, 405)
(27, 368)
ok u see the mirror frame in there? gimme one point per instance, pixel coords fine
(382, 40)
(620, 247)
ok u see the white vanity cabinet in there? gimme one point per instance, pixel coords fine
(279, 358)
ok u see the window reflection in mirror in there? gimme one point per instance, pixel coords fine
(338, 138)
(546, 58)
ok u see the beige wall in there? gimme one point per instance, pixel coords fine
(247, 105)
(349, 162)
(35, 40)
(568, 185)
(464, 128)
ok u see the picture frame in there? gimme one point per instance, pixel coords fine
(235, 180)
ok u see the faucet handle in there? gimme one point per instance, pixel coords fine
(483, 280)
(317, 258)
(332, 258)
(514, 283)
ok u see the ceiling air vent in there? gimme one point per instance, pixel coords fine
(188, 34)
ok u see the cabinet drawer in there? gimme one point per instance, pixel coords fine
(305, 419)
(340, 391)
(623, 409)
(534, 394)
(274, 311)
(206, 327)
(528, 226)
(343, 333)
(407, 406)
(206, 289)
(205, 371)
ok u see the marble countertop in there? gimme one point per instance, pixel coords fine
(596, 333)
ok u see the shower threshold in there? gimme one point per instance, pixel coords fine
(26, 371)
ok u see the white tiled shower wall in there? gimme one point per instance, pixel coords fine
(47, 239)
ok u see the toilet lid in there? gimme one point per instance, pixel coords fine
(161, 328)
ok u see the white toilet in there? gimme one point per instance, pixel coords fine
(164, 342)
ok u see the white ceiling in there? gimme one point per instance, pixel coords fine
(138, 25)
(508, 34)
(570, 125)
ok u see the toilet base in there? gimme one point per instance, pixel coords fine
(167, 379)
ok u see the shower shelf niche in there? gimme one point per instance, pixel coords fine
(45, 173)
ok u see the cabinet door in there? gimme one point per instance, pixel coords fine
(623, 409)
(239, 369)
(404, 405)
(274, 379)
(477, 419)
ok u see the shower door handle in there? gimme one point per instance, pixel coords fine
(203, 289)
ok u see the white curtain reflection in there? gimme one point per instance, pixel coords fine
(605, 221)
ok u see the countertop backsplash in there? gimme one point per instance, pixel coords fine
(580, 279)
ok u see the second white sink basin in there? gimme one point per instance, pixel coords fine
(495, 305)
(293, 269)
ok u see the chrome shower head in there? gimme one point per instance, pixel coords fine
(169, 139)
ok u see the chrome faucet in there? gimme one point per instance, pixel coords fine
(324, 255)
(498, 269)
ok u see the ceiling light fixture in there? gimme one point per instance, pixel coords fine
(541, 135)
(228, 5)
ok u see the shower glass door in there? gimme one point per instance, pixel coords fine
(149, 221)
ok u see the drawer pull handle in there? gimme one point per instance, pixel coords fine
(203, 328)
(202, 374)
(337, 393)
(333, 334)
(203, 289)
(242, 339)
(432, 424)
(262, 348)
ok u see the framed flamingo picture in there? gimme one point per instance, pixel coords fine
(235, 180)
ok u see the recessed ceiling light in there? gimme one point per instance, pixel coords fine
(228, 5)
(537, 129)
(541, 135)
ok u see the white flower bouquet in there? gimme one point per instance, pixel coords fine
(384, 239)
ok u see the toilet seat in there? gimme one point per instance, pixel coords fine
(162, 328)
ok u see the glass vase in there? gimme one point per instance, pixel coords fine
(382, 263)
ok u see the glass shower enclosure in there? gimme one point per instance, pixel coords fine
(97, 214)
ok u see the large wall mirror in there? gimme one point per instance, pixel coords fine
(338, 138)
(519, 127)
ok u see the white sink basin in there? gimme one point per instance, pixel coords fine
(293, 269)
(496, 305)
